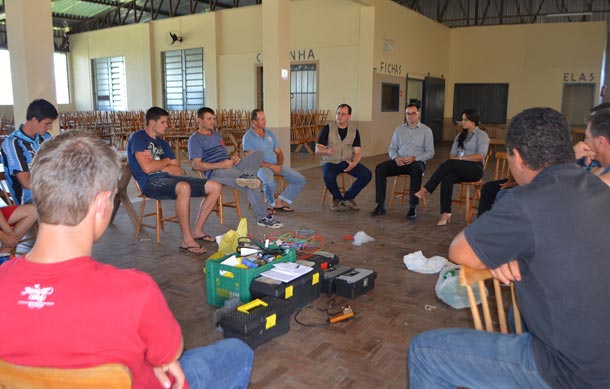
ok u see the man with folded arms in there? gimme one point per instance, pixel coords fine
(154, 165)
(556, 254)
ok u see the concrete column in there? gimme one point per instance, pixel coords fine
(30, 41)
(276, 76)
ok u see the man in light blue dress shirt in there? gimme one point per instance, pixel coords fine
(412, 145)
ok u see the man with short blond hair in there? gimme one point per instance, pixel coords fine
(63, 309)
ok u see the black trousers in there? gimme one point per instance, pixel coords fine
(488, 195)
(389, 168)
(450, 172)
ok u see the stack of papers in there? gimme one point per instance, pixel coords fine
(287, 271)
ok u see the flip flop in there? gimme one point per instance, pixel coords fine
(206, 238)
(284, 208)
(189, 249)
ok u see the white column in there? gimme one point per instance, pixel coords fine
(276, 76)
(30, 41)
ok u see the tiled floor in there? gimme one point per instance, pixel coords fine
(368, 351)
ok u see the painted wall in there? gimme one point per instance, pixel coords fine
(533, 58)
(133, 42)
(399, 51)
(356, 45)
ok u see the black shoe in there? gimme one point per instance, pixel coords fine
(378, 211)
(411, 214)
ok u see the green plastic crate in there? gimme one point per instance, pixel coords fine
(220, 288)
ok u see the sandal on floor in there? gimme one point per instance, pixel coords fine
(189, 249)
(206, 238)
(284, 208)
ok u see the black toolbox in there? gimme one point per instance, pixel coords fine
(258, 321)
(298, 292)
(323, 260)
(329, 276)
(355, 283)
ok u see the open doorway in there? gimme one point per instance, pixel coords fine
(577, 101)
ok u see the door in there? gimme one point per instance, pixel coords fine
(577, 100)
(433, 106)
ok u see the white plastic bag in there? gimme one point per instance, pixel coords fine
(417, 262)
(361, 237)
(449, 290)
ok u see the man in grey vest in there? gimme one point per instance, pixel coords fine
(339, 146)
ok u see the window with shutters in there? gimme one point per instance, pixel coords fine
(109, 84)
(183, 79)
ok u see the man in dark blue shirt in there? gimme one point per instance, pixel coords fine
(155, 168)
(557, 256)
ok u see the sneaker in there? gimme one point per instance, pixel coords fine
(411, 214)
(270, 222)
(351, 204)
(378, 211)
(335, 205)
(248, 181)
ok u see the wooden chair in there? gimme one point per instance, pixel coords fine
(466, 197)
(578, 135)
(502, 171)
(158, 213)
(341, 176)
(220, 204)
(282, 184)
(111, 375)
(402, 193)
(470, 277)
(5, 192)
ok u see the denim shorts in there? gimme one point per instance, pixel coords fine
(164, 188)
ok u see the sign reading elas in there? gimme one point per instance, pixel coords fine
(578, 77)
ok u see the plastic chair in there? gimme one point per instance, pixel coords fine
(470, 277)
(404, 192)
(111, 375)
(158, 213)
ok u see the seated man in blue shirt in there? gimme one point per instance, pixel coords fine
(154, 165)
(557, 256)
(261, 139)
(412, 145)
(208, 153)
(19, 148)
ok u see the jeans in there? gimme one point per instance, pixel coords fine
(451, 358)
(296, 183)
(330, 171)
(450, 172)
(224, 364)
(248, 165)
(389, 168)
(164, 188)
